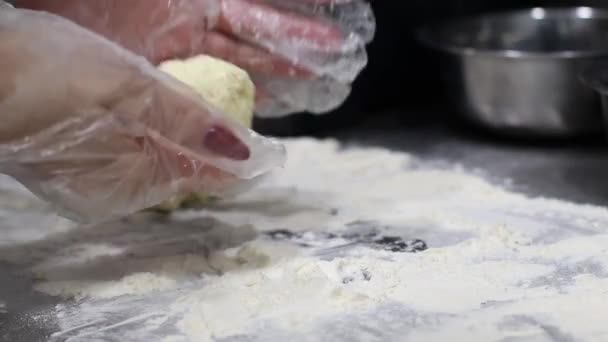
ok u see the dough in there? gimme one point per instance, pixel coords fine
(224, 86)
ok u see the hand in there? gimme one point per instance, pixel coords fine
(302, 54)
(100, 132)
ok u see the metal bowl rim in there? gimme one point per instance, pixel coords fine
(423, 35)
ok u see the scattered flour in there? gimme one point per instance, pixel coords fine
(499, 266)
(137, 283)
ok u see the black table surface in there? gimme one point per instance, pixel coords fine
(571, 169)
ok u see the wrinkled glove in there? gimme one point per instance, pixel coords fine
(302, 54)
(101, 133)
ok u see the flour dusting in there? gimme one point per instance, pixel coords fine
(343, 244)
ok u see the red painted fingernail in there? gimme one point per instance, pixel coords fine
(221, 141)
(140, 141)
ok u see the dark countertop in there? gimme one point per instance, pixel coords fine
(574, 170)
(571, 170)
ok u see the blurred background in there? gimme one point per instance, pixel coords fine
(402, 81)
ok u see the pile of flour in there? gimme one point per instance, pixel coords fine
(499, 265)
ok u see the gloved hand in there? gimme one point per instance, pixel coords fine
(302, 54)
(99, 132)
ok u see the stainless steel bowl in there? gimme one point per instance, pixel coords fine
(596, 77)
(519, 72)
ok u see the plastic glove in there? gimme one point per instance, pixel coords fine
(99, 132)
(302, 54)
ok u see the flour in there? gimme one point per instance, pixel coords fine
(137, 283)
(321, 251)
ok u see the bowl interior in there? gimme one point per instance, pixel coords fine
(538, 30)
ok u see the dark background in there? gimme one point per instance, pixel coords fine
(402, 77)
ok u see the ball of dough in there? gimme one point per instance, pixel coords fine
(223, 85)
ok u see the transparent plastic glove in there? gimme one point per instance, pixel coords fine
(302, 54)
(101, 133)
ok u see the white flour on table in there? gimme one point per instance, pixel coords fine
(323, 251)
